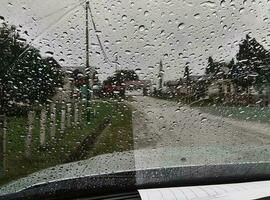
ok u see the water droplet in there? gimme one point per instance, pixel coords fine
(146, 13)
(181, 26)
(208, 4)
(142, 28)
(197, 16)
(49, 53)
(241, 10)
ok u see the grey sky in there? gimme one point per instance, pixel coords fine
(142, 31)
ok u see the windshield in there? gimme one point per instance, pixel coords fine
(131, 84)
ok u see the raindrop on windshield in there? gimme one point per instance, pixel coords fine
(181, 26)
(142, 28)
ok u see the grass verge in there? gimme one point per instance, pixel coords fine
(238, 112)
(59, 149)
(258, 114)
(118, 136)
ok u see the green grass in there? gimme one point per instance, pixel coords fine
(259, 114)
(58, 150)
(118, 136)
(250, 113)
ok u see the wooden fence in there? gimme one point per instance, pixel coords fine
(54, 118)
(71, 115)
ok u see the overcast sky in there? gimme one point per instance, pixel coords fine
(142, 32)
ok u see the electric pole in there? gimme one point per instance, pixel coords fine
(187, 74)
(160, 75)
(87, 40)
(116, 63)
(88, 70)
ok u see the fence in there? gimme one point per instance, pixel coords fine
(50, 120)
(65, 115)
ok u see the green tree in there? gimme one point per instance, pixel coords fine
(121, 77)
(240, 75)
(24, 75)
(212, 67)
(187, 74)
(254, 59)
(252, 53)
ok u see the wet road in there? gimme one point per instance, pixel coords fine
(161, 123)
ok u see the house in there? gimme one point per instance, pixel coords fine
(194, 86)
(220, 86)
(138, 88)
(228, 92)
(171, 87)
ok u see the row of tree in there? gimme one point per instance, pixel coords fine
(25, 76)
(251, 68)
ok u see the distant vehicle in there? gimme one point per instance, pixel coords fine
(138, 88)
(113, 90)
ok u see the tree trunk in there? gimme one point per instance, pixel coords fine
(29, 137)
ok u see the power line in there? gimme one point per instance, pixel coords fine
(50, 14)
(98, 38)
(57, 21)
(45, 30)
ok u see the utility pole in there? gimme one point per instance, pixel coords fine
(187, 74)
(88, 70)
(116, 63)
(160, 75)
(87, 40)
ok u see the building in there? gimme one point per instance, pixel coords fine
(220, 86)
(195, 86)
(138, 88)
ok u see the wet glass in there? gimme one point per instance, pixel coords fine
(110, 86)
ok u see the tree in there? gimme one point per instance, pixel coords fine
(240, 75)
(232, 69)
(252, 53)
(78, 77)
(121, 77)
(187, 74)
(254, 59)
(24, 75)
(231, 64)
(212, 67)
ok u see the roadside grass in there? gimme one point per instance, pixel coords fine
(57, 150)
(258, 114)
(238, 112)
(118, 136)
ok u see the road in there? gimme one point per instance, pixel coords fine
(167, 124)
